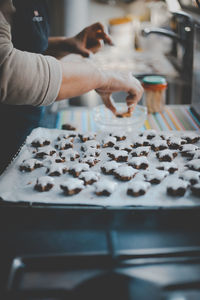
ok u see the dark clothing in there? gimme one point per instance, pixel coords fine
(16, 122)
(30, 32)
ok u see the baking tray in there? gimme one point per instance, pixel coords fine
(73, 202)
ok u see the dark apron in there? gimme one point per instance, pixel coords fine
(30, 32)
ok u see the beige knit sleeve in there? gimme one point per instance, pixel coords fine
(26, 78)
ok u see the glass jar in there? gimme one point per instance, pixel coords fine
(155, 93)
(122, 32)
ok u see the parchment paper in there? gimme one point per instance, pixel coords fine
(17, 186)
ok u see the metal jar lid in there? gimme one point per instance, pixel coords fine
(154, 83)
(154, 80)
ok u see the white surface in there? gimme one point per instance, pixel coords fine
(18, 186)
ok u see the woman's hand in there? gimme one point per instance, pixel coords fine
(88, 41)
(81, 75)
(118, 81)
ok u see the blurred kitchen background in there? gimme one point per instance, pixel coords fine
(150, 37)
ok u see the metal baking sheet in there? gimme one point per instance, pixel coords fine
(16, 186)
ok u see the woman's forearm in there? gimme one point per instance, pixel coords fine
(79, 76)
(56, 47)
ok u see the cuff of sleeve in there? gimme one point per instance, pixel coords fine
(55, 80)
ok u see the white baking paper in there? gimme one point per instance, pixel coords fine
(17, 186)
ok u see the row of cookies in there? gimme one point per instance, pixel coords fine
(138, 139)
(89, 157)
(91, 146)
(106, 187)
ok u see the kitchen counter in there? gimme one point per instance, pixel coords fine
(174, 117)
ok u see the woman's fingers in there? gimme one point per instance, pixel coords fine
(116, 82)
(94, 46)
(105, 37)
(92, 36)
(97, 32)
(108, 102)
(135, 93)
(131, 108)
(130, 99)
(82, 51)
(101, 34)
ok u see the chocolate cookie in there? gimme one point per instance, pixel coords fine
(138, 188)
(171, 167)
(72, 186)
(166, 155)
(166, 135)
(57, 170)
(140, 141)
(192, 176)
(30, 164)
(156, 176)
(45, 151)
(65, 144)
(52, 160)
(105, 187)
(120, 136)
(139, 162)
(158, 145)
(67, 135)
(191, 137)
(194, 165)
(109, 141)
(109, 167)
(149, 134)
(194, 154)
(68, 126)
(90, 144)
(88, 136)
(120, 156)
(175, 143)
(140, 151)
(89, 177)
(125, 173)
(177, 187)
(186, 149)
(40, 142)
(44, 184)
(91, 161)
(76, 169)
(92, 152)
(124, 146)
(69, 154)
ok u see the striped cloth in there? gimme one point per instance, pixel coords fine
(174, 117)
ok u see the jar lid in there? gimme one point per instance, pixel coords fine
(119, 21)
(154, 80)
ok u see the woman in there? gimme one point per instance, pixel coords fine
(30, 80)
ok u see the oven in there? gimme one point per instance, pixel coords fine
(67, 252)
